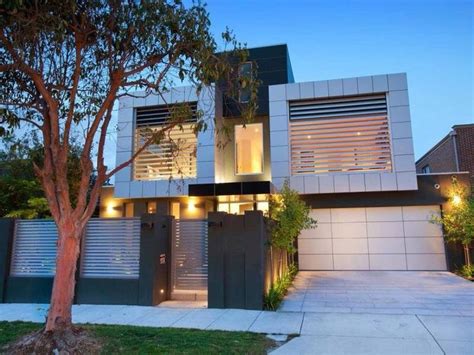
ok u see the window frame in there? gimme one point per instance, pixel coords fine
(236, 173)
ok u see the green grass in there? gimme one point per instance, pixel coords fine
(144, 340)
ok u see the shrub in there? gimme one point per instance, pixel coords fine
(467, 271)
(279, 289)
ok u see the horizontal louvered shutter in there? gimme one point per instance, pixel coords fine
(190, 257)
(175, 155)
(111, 248)
(34, 248)
(340, 135)
(158, 115)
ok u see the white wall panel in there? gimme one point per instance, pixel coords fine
(426, 262)
(384, 214)
(374, 238)
(387, 245)
(323, 246)
(351, 262)
(385, 229)
(388, 262)
(316, 262)
(349, 230)
(350, 246)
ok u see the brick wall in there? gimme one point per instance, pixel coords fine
(465, 144)
(441, 159)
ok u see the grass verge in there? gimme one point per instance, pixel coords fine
(117, 339)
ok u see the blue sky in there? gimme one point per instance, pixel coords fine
(430, 40)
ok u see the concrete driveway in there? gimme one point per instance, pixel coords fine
(354, 312)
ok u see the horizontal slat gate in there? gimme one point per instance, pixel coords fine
(112, 248)
(34, 248)
(340, 135)
(190, 258)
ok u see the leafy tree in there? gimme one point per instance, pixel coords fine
(64, 64)
(37, 208)
(458, 219)
(290, 215)
(20, 189)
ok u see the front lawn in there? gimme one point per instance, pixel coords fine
(144, 340)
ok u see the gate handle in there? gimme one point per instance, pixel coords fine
(214, 224)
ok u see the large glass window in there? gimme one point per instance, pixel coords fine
(249, 149)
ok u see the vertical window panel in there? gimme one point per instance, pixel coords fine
(249, 149)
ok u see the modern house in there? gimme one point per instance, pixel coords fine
(453, 153)
(345, 145)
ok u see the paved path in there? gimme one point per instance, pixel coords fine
(351, 312)
(166, 316)
(333, 312)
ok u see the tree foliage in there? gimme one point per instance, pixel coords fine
(458, 219)
(20, 190)
(290, 216)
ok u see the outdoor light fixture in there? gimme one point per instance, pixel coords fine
(456, 200)
(191, 206)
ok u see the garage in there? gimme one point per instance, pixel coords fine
(373, 238)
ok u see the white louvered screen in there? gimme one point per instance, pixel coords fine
(111, 248)
(34, 248)
(340, 135)
(190, 258)
(174, 156)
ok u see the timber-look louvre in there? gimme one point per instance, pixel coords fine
(340, 135)
(175, 155)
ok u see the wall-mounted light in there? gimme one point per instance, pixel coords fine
(110, 208)
(456, 200)
(191, 205)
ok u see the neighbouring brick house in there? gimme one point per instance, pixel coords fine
(453, 153)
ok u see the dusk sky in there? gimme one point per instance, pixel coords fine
(430, 40)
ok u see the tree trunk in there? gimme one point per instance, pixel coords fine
(467, 255)
(59, 315)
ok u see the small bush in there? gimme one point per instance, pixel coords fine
(467, 271)
(279, 289)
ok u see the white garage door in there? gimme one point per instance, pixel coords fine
(376, 238)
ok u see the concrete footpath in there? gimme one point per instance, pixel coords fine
(319, 333)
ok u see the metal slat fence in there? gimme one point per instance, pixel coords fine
(111, 248)
(34, 248)
(190, 258)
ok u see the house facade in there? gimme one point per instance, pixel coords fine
(453, 153)
(345, 145)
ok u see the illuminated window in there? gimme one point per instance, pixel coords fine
(249, 149)
(128, 209)
(175, 209)
(151, 207)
